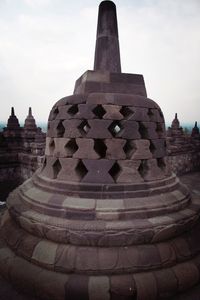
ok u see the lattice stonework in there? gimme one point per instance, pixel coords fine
(102, 142)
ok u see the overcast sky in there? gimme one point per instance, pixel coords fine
(45, 45)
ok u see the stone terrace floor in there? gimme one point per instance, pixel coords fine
(192, 180)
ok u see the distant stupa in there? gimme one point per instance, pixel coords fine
(104, 218)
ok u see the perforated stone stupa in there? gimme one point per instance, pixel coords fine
(104, 218)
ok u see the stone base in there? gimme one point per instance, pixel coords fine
(48, 284)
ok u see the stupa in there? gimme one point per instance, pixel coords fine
(104, 218)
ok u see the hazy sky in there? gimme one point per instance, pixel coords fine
(46, 45)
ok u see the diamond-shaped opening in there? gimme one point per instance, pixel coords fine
(56, 168)
(44, 164)
(100, 147)
(99, 111)
(71, 146)
(115, 171)
(159, 128)
(128, 148)
(126, 112)
(161, 163)
(73, 110)
(55, 113)
(84, 127)
(48, 126)
(143, 131)
(60, 129)
(81, 170)
(51, 146)
(152, 147)
(115, 128)
(143, 168)
(150, 113)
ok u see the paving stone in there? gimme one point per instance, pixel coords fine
(166, 283)
(71, 290)
(187, 275)
(99, 288)
(146, 286)
(65, 258)
(122, 286)
(45, 253)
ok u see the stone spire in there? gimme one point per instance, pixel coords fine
(107, 54)
(195, 131)
(13, 122)
(175, 122)
(30, 121)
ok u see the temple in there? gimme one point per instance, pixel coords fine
(104, 217)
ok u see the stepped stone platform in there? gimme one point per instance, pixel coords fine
(8, 292)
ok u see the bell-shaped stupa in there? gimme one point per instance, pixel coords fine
(104, 218)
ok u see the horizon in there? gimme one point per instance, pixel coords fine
(46, 47)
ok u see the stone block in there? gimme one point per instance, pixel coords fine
(85, 149)
(150, 171)
(181, 249)
(50, 285)
(69, 171)
(54, 128)
(167, 284)
(77, 285)
(45, 253)
(129, 172)
(139, 114)
(65, 258)
(72, 128)
(99, 129)
(141, 149)
(149, 257)
(155, 115)
(100, 98)
(112, 112)
(27, 246)
(146, 286)
(23, 276)
(87, 259)
(148, 130)
(50, 168)
(128, 130)
(63, 112)
(158, 148)
(187, 275)
(160, 129)
(167, 254)
(86, 111)
(115, 148)
(122, 287)
(65, 147)
(99, 288)
(98, 171)
(49, 149)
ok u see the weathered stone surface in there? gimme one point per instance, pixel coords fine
(109, 218)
